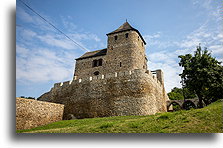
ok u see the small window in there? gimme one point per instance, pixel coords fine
(120, 64)
(116, 37)
(96, 73)
(97, 63)
(100, 62)
(126, 35)
(138, 38)
(94, 64)
(142, 43)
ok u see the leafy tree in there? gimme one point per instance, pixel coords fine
(203, 75)
(180, 94)
(176, 94)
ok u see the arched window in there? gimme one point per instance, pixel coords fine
(96, 73)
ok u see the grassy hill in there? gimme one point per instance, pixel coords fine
(205, 120)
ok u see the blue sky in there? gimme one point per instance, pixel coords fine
(170, 28)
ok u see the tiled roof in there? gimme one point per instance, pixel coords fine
(126, 27)
(93, 54)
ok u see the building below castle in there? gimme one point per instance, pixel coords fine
(114, 81)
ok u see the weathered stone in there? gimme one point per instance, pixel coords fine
(33, 113)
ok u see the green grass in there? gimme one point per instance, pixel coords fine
(205, 120)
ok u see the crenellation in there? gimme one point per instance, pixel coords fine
(135, 72)
(66, 83)
(56, 85)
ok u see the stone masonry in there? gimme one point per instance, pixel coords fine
(113, 81)
(33, 113)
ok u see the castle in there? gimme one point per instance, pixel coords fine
(113, 81)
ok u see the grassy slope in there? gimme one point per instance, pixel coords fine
(206, 120)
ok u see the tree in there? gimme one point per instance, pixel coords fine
(180, 94)
(203, 75)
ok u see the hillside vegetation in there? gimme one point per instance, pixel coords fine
(205, 120)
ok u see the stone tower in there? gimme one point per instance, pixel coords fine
(125, 49)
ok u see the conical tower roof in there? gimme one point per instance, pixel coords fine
(126, 27)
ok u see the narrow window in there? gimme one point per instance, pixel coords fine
(142, 43)
(126, 35)
(100, 62)
(138, 38)
(116, 37)
(120, 64)
(96, 73)
(94, 64)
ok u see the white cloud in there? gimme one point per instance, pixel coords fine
(42, 65)
(153, 36)
(68, 24)
(57, 41)
(35, 20)
(21, 51)
(163, 57)
(171, 73)
(22, 14)
(217, 50)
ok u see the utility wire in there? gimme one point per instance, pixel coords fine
(82, 47)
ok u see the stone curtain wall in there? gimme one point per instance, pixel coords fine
(135, 92)
(33, 113)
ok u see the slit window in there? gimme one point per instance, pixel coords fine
(116, 37)
(126, 35)
(120, 64)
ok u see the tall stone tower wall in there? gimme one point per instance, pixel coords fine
(125, 53)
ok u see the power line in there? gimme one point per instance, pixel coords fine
(82, 47)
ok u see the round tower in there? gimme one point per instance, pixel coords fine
(125, 49)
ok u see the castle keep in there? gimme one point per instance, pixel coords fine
(113, 81)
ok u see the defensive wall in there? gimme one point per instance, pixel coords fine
(33, 113)
(136, 92)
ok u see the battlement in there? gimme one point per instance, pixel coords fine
(136, 72)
